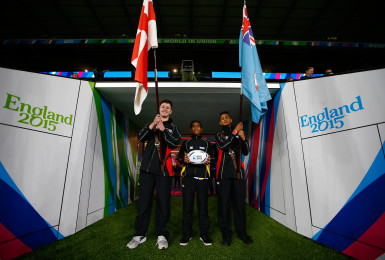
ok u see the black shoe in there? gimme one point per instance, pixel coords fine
(245, 238)
(206, 240)
(185, 239)
(226, 240)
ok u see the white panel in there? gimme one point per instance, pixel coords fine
(97, 190)
(95, 216)
(47, 96)
(381, 129)
(300, 195)
(76, 161)
(87, 171)
(362, 93)
(37, 164)
(281, 146)
(277, 200)
(335, 166)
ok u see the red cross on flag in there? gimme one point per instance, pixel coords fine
(146, 38)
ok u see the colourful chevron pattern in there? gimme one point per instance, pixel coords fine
(358, 229)
(20, 223)
(258, 170)
(118, 170)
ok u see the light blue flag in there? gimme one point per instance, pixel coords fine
(254, 85)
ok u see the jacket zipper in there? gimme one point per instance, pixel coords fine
(152, 157)
(224, 158)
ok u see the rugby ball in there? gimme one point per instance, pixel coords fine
(197, 156)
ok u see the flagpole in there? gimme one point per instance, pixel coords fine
(240, 102)
(241, 95)
(158, 111)
(240, 140)
(240, 120)
(156, 82)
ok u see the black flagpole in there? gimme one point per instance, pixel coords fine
(157, 109)
(156, 83)
(239, 166)
(240, 140)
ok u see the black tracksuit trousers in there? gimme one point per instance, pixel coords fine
(147, 184)
(231, 194)
(190, 186)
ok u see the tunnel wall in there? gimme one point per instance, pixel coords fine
(317, 163)
(67, 159)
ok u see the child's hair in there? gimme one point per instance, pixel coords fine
(168, 101)
(224, 112)
(192, 122)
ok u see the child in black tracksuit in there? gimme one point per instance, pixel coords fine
(154, 176)
(196, 177)
(230, 184)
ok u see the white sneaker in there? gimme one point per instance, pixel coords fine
(162, 242)
(136, 241)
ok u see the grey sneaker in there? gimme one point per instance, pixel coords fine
(162, 242)
(136, 241)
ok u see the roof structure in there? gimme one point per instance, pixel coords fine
(199, 30)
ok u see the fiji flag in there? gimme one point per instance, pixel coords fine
(254, 85)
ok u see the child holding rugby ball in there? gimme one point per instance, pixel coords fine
(195, 154)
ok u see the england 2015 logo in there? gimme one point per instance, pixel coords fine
(40, 117)
(333, 118)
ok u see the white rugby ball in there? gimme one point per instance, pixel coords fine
(197, 156)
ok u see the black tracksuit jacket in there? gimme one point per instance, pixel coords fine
(195, 143)
(170, 139)
(225, 165)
